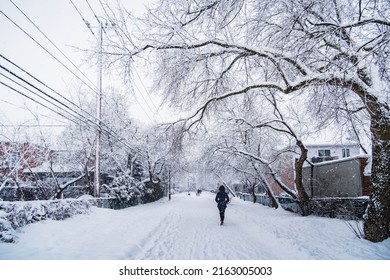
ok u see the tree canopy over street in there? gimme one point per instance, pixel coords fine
(205, 54)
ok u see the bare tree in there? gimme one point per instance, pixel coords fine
(277, 123)
(247, 166)
(238, 152)
(209, 51)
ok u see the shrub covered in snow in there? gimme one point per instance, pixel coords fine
(14, 215)
(153, 191)
(125, 188)
(6, 229)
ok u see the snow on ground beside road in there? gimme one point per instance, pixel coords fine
(187, 228)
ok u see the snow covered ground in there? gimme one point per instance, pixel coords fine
(187, 228)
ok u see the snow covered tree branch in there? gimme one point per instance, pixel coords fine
(209, 52)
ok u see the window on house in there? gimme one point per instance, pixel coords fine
(346, 153)
(324, 153)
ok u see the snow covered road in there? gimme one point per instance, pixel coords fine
(187, 228)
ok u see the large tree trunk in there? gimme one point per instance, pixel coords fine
(303, 198)
(377, 218)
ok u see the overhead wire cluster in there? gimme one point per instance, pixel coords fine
(22, 82)
(148, 101)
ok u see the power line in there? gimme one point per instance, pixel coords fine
(96, 17)
(147, 94)
(74, 74)
(36, 88)
(26, 109)
(32, 99)
(85, 21)
(105, 131)
(45, 99)
(146, 102)
(68, 59)
(51, 43)
(31, 37)
(94, 90)
(39, 81)
(156, 110)
(69, 112)
(47, 51)
(50, 97)
(90, 124)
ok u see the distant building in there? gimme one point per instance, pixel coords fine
(325, 152)
(332, 170)
(31, 172)
(16, 157)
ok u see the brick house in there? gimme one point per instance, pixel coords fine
(17, 157)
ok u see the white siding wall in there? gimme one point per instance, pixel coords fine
(335, 151)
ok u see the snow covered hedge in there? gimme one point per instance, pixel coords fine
(129, 191)
(14, 215)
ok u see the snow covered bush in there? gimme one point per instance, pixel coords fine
(125, 188)
(130, 191)
(6, 230)
(153, 191)
(14, 215)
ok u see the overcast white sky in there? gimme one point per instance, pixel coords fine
(63, 25)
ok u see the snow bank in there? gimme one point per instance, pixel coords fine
(14, 215)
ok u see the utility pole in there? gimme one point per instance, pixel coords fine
(169, 184)
(96, 190)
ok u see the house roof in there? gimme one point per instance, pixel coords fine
(57, 168)
(325, 145)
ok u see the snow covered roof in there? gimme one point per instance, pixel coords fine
(346, 144)
(57, 167)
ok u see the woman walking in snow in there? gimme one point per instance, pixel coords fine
(222, 200)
